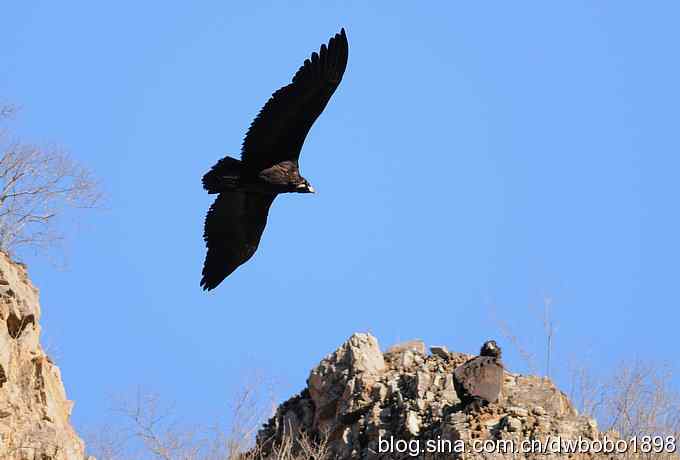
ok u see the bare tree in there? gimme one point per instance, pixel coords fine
(549, 329)
(150, 428)
(640, 400)
(587, 391)
(37, 184)
(508, 334)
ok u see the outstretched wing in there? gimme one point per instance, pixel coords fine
(279, 130)
(232, 232)
(481, 377)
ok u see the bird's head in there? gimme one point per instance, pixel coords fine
(304, 187)
(490, 348)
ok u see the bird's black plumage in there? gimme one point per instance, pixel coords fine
(269, 162)
(480, 379)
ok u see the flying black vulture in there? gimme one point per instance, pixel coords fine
(479, 380)
(269, 163)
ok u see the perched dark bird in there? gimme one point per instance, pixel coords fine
(269, 163)
(479, 380)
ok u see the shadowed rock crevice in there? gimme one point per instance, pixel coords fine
(16, 324)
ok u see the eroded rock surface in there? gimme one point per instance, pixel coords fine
(34, 409)
(357, 396)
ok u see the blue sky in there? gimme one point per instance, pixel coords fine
(474, 158)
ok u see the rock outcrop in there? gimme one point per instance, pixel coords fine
(34, 410)
(364, 404)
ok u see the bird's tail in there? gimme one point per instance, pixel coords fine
(223, 176)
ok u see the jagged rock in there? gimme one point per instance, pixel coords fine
(357, 398)
(512, 424)
(412, 423)
(347, 372)
(417, 346)
(34, 410)
(440, 351)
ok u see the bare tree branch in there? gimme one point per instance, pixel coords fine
(38, 184)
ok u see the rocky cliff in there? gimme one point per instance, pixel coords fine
(34, 410)
(361, 403)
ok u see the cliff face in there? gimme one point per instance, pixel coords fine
(358, 396)
(34, 410)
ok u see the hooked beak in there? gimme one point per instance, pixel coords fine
(305, 188)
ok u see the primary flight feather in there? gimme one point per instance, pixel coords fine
(269, 162)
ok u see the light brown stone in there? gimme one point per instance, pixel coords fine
(34, 409)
